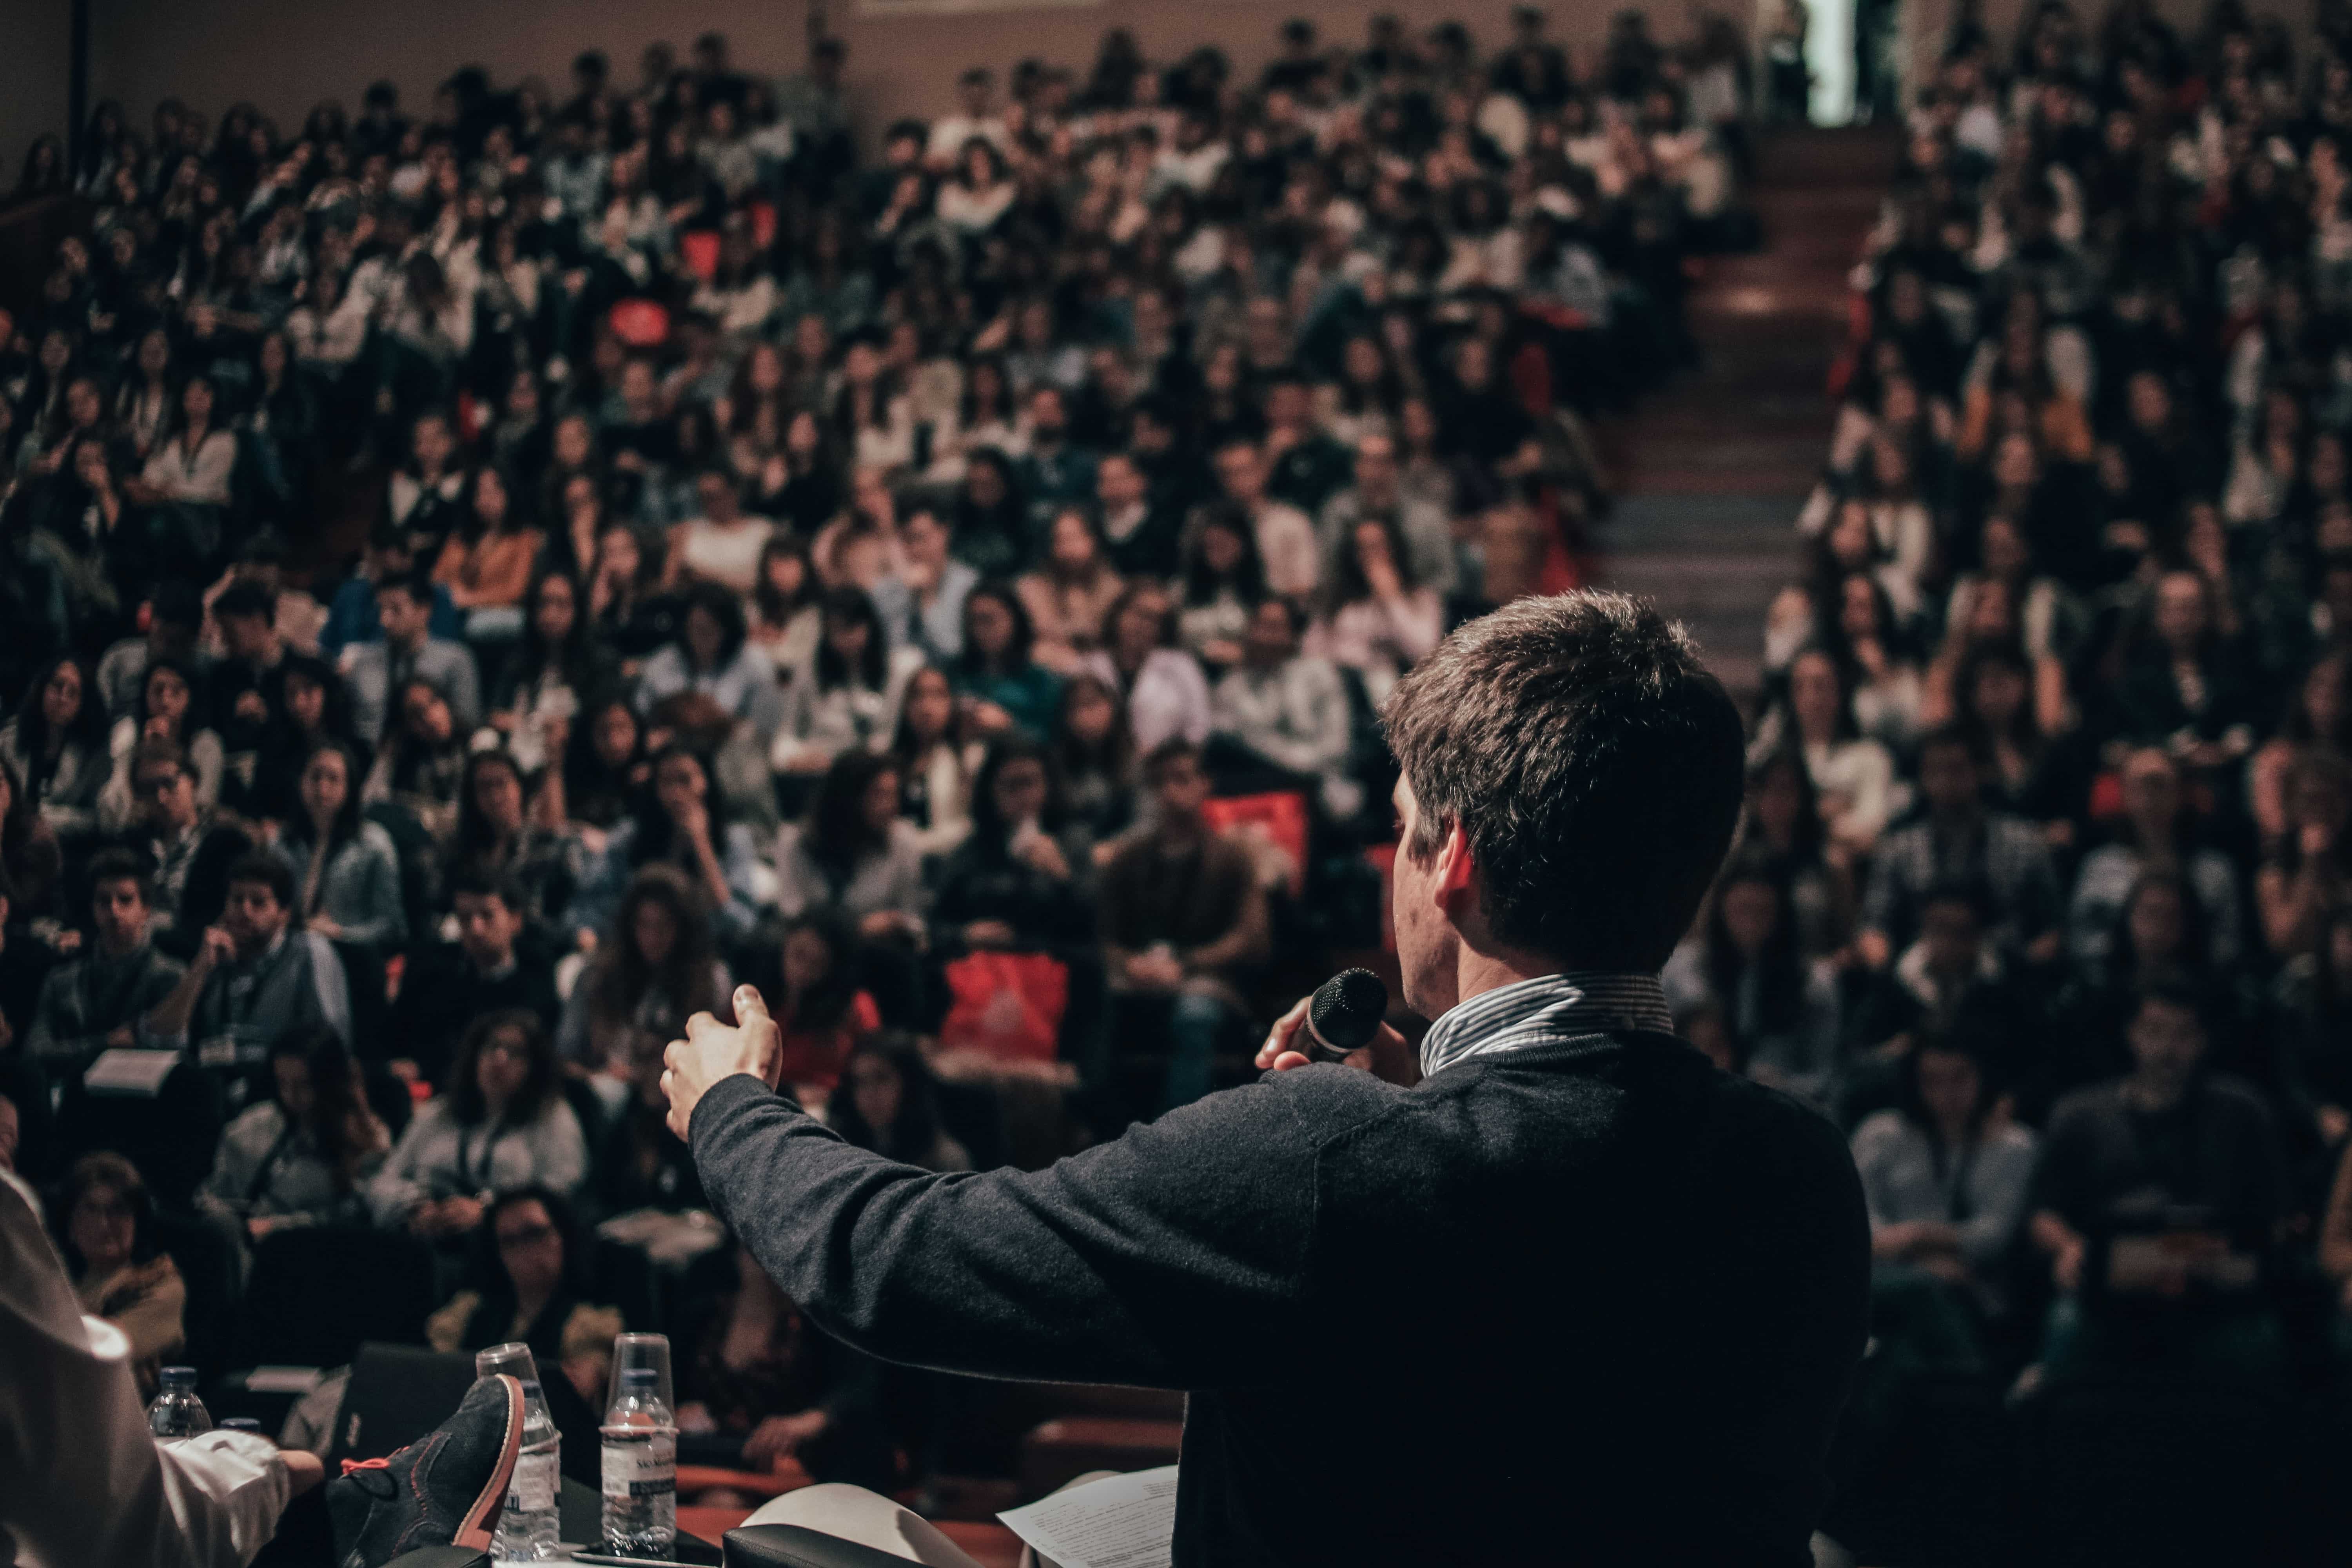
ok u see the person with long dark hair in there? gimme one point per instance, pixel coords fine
(346, 869)
(55, 747)
(1378, 619)
(1782, 825)
(653, 966)
(888, 1101)
(605, 767)
(821, 1008)
(1782, 1009)
(855, 852)
(169, 706)
(1094, 753)
(786, 616)
(497, 842)
(678, 819)
(315, 707)
(552, 674)
(935, 763)
(486, 562)
(1021, 878)
(303, 1156)
(1002, 687)
(501, 1125)
(1224, 579)
(713, 655)
(847, 698)
(1946, 1175)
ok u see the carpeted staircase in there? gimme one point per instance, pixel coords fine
(1715, 468)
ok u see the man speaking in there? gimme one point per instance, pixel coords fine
(1559, 1291)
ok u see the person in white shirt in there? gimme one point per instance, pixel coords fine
(1285, 540)
(950, 133)
(88, 1485)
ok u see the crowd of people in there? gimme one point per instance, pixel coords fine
(2043, 890)
(483, 583)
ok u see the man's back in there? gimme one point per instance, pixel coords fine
(1514, 1344)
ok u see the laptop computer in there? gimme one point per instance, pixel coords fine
(396, 1394)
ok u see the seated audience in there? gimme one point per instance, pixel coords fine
(379, 672)
(1945, 1172)
(188, 847)
(887, 1100)
(1781, 1009)
(56, 746)
(1283, 712)
(99, 999)
(164, 710)
(529, 1286)
(1183, 920)
(1002, 687)
(305, 1155)
(347, 873)
(755, 1368)
(501, 1125)
(1959, 840)
(491, 968)
(1021, 878)
(653, 967)
(2170, 1180)
(255, 976)
(104, 1224)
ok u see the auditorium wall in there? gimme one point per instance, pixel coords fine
(284, 55)
(36, 55)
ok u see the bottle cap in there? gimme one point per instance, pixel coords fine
(240, 1423)
(640, 1377)
(530, 1387)
(175, 1375)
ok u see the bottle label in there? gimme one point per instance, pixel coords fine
(642, 1469)
(534, 1490)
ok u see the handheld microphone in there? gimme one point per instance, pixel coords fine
(1345, 1014)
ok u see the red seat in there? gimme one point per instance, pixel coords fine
(1281, 814)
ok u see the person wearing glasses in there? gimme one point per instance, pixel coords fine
(502, 1125)
(188, 849)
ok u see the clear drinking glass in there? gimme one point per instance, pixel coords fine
(515, 1360)
(646, 1352)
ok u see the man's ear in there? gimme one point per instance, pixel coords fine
(1455, 867)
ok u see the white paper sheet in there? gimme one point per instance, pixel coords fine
(1119, 1522)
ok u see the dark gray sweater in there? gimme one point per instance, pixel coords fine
(1588, 1301)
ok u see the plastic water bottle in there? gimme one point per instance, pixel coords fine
(531, 1525)
(177, 1412)
(640, 1468)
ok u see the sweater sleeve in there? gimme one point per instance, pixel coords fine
(1173, 1257)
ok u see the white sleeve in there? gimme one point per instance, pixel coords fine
(88, 1485)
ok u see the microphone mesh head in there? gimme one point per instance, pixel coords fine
(1348, 1008)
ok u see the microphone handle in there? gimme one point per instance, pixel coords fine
(1319, 1049)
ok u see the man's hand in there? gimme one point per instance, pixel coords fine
(218, 947)
(778, 1437)
(712, 1050)
(1388, 1058)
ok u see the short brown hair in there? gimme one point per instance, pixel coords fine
(1593, 764)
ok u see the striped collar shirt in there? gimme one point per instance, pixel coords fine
(1539, 1011)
